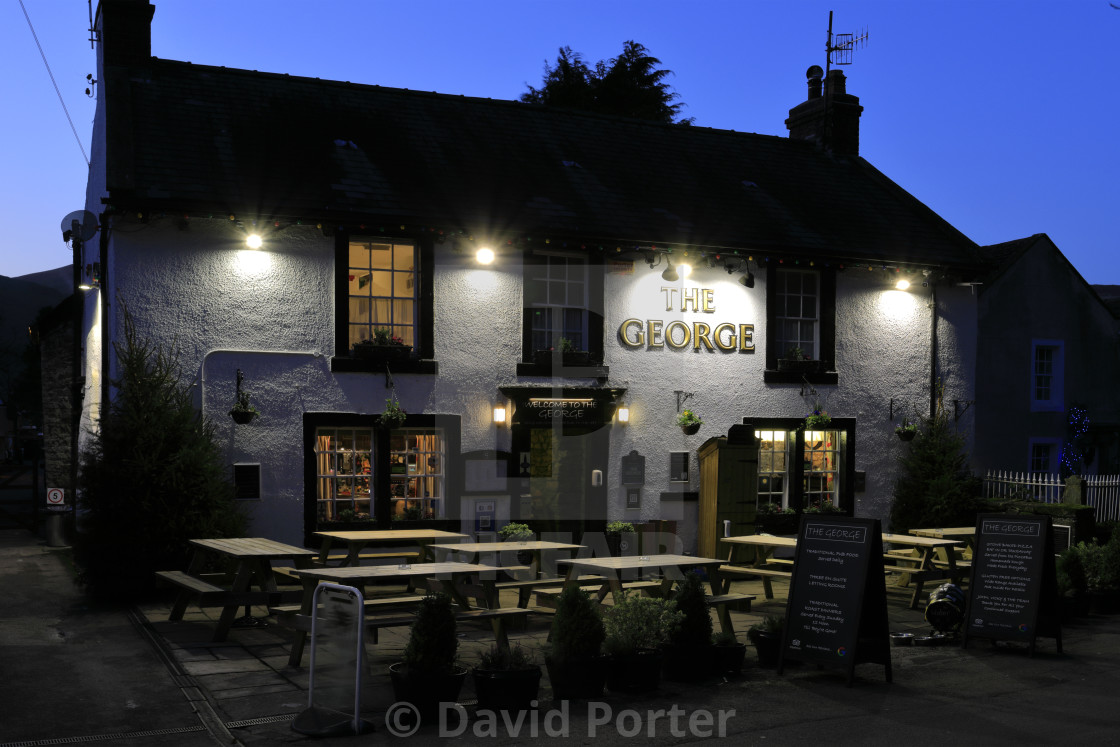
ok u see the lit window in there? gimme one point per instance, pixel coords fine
(820, 468)
(343, 459)
(772, 468)
(417, 468)
(382, 290)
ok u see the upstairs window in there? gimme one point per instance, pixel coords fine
(798, 317)
(800, 313)
(557, 296)
(382, 289)
(1047, 376)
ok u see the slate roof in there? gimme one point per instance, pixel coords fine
(212, 138)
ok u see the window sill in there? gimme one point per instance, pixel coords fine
(347, 364)
(793, 377)
(570, 372)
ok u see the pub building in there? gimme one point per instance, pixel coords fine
(557, 287)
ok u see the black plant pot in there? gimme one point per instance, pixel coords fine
(687, 663)
(906, 435)
(507, 689)
(639, 672)
(690, 429)
(728, 659)
(242, 417)
(767, 645)
(577, 679)
(426, 691)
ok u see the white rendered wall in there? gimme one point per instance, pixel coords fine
(271, 314)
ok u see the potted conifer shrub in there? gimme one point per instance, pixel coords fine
(767, 639)
(576, 666)
(636, 629)
(506, 680)
(728, 654)
(620, 537)
(688, 652)
(429, 674)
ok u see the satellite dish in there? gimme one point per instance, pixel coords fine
(87, 225)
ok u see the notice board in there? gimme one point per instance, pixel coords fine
(1013, 589)
(837, 609)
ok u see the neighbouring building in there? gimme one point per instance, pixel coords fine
(1046, 368)
(543, 386)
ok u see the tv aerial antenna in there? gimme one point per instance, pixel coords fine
(838, 49)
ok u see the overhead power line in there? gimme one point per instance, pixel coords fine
(59, 93)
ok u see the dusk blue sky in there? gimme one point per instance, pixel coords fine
(1000, 115)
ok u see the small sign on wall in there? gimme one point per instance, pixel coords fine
(633, 497)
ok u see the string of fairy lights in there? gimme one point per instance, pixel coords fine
(728, 257)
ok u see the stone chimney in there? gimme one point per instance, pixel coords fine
(124, 30)
(829, 118)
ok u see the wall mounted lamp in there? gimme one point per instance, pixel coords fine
(902, 284)
(623, 414)
(747, 280)
(500, 414)
(254, 241)
(670, 274)
(485, 255)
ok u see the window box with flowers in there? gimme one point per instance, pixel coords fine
(383, 346)
(771, 518)
(797, 362)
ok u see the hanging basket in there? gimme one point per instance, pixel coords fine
(690, 429)
(242, 417)
(906, 435)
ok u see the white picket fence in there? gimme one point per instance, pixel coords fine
(1100, 491)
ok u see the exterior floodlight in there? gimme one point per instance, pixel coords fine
(747, 280)
(670, 274)
(485, 255)
(685, 270)
(902, 284)
(253, 241)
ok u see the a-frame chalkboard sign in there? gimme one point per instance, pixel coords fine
(837, 609)
(1013, 587)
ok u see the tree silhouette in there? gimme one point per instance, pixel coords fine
(630, 85)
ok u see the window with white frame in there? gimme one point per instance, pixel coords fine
(417, 472)
(796, 323)
(556, 295)
(1043, 457)
(820, 467)
(1047, 375)
(382, 288)
(344, 471)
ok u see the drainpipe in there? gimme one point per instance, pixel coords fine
(933, 350)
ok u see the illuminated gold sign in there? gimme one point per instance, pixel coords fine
(679, 335)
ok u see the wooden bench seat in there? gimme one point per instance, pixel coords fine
(547, 596)
(191, 583)
(525, 587)
(402, 555)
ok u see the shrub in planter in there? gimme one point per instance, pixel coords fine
(576, 667)
(1102, 574)
(727, 654)
(620, 537)
(429, 675)
(688, 651)
(514, 532)
(1073, 585)
(636, 629)
(766, 636)
(506, 680)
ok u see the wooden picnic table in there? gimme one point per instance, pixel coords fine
(356, 541)
(669, 566)
(459, 580)
(965, 534)
(252, 558)
(540, 573)
(764, 565)
(915, 558)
